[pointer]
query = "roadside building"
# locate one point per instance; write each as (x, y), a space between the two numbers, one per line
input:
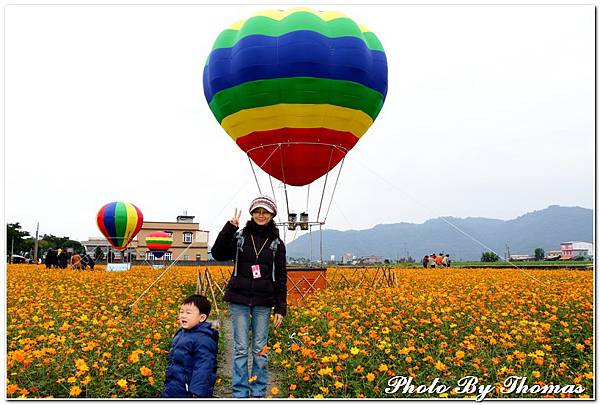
(348, 258)
(93, 243)
(370, 260)
(553, 254)
(570, 250)
(519, 257)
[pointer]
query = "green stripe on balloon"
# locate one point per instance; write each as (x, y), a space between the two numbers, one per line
(260, 25)
(120, 222)
(296, 90)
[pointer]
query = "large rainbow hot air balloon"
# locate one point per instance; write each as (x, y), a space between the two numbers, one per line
(158, 243)
(119, 222)
(296, 89)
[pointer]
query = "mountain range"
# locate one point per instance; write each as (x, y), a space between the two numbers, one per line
(545, 229)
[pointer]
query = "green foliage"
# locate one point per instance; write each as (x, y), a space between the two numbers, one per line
(488, 257)
(17, 238)
(539, 253)
(63, 242)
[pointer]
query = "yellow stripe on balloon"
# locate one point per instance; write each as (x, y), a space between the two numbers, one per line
(131, 222)
(281, 14)
(160, 239)
(297, 116)
(236, 25)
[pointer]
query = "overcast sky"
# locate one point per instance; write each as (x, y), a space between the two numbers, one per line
(489, 112)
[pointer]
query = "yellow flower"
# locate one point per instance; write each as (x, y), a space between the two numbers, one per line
(75, 391)
(383, 368)
(274, 390)
(536, 374)
(324, 389)
(71, 380)
(354, 350)
(252, 379)
(370, 377)
(460, 354)
(338, 384)
(81, 366)
(318, 396)
(300, 370)
(326, 371)
(440, 366)
(86, 380)
(122, 383)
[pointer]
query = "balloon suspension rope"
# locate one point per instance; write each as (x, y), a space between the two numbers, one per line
(129, 308)
(451, 224)
(325, 185)
(334, 188)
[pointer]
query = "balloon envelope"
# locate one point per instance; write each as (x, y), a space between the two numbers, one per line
(119, 222)
(158, 243)
(296, 89)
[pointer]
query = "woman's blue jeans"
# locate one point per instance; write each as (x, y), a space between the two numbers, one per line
(245, 318)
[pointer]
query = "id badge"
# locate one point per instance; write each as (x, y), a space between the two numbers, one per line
(255, 270)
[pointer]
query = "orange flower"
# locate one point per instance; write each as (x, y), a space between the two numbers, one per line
(274, 390)
(145, 371)
(370, 377)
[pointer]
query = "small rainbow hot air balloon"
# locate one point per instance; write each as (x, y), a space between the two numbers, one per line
(158, 243)
(119, 222)
(296, 89)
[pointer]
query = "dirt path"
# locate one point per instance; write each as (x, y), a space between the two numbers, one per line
(225, 363)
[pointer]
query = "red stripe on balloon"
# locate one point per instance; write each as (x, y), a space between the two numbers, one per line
(100, 222)
(297, 156)
(140, 221)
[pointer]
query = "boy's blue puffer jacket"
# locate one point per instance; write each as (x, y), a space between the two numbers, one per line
(192, 368)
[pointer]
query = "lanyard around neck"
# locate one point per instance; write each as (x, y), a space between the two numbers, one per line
(254, 246)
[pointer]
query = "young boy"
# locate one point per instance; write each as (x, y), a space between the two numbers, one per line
(192, 368)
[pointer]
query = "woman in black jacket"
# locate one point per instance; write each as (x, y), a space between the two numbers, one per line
(258, 283)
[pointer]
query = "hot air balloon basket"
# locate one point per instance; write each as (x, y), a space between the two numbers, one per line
(302, 282)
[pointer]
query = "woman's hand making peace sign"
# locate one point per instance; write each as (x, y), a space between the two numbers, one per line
(235, 221)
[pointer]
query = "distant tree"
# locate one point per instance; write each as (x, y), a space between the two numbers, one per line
(489, 257)
(17, 239)
(63, 242)
(539, 253)
(98, 253)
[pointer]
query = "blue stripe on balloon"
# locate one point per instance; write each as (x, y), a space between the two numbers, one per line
(109, 221)
(296, 54)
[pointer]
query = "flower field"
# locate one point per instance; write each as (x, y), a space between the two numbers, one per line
(448, 324)
(68, 334)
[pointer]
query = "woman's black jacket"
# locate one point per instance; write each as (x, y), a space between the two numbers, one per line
(244, 288)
